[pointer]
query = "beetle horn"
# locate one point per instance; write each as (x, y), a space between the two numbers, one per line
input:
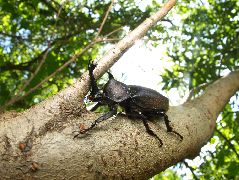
(110, 75)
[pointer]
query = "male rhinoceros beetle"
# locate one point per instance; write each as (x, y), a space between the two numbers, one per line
(138, 102)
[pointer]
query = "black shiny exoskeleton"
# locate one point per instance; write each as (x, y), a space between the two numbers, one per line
(138, 102)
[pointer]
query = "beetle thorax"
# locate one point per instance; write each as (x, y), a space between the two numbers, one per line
(116, 90)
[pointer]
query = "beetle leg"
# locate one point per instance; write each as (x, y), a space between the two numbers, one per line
(150, 132)
(134, 115)
(169, 128)
(106, 116)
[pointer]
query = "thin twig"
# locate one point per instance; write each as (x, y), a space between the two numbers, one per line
(104, 19)
(52, 74)
(96, 40)
(228, 142)
(196, 89)
(191, 169)
(114, 31)
(111, 39)
(167, 20)
(21, 90)
(37, 69)
(59, 13)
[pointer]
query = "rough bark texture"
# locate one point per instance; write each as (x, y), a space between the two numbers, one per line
(117, 149)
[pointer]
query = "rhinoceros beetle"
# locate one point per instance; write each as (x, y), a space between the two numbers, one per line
(138, 103)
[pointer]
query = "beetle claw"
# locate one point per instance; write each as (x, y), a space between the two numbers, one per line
(179, 135)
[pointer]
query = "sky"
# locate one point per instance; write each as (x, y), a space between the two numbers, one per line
(144, 66)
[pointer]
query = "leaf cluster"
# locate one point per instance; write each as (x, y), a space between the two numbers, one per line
(59, 30)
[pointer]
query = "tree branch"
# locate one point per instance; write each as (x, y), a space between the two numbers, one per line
(104, 19)
(228, 142)
(18, 96)
(214, 102)
(191, 169)
(27, 65)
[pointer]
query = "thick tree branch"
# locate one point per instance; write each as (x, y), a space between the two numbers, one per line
(212, 98)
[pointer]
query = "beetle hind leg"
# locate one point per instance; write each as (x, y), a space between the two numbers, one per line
(146, 125)
(150, 131)
(169, 128)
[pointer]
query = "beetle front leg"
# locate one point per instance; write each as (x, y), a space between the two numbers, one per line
(98, 104)
(112, 112)
(169, 128)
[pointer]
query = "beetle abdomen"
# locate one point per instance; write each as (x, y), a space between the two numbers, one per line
(147, 98)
